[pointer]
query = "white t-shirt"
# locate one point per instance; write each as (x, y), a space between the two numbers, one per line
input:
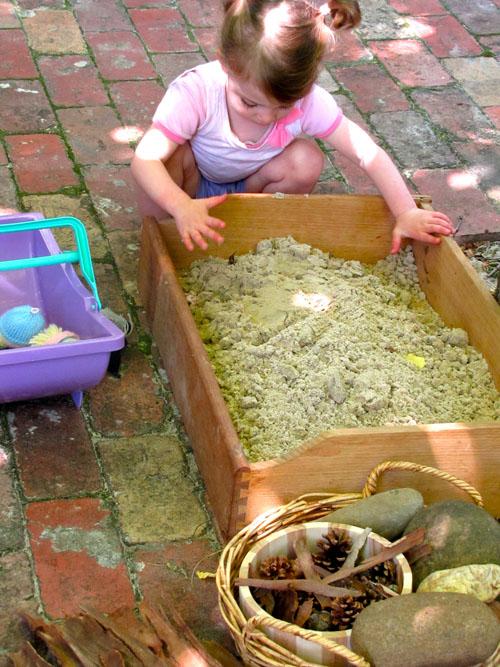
(194, 109)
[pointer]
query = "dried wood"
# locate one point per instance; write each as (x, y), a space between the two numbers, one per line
(305, 585)
(407, 542)
(157, 638)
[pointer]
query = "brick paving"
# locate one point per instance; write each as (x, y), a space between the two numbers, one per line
(104, 506)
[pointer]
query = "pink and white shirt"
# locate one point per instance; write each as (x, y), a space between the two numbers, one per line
(194, 109)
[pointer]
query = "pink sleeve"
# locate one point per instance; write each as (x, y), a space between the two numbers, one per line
(322, 115)
(182, 109)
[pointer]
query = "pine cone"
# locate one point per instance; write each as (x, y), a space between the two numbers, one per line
(385, 573)
(280, 567)
(333, 549)
(344, 611)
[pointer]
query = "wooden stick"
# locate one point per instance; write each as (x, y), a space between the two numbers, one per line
(306, 585)
(407, 542)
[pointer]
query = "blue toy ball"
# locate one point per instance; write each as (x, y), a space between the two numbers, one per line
(19, 324)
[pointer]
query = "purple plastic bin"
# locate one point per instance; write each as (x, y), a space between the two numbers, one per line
(66, 368)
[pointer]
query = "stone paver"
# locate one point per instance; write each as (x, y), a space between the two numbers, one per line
(54, 31)
(155, 497)
(104, 505)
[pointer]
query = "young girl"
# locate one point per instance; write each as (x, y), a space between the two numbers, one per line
(237, 124)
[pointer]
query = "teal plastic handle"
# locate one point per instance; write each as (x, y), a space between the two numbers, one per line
(81, 255)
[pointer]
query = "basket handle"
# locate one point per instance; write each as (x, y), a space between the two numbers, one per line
(338, 650)
(81, 255)
(371, 482)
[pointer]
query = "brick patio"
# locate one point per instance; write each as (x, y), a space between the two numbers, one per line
(104, 506)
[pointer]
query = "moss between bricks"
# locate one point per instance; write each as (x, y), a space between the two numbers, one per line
(302, 342)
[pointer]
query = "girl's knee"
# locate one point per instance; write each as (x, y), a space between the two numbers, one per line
(306, 161)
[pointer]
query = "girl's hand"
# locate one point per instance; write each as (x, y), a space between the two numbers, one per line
(422, 225)
(195, 224)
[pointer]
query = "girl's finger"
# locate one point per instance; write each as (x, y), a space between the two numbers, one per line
(433, 228)
(216, 200)
(186, 239)
(213, 235)
(199, 240)
(215, 222)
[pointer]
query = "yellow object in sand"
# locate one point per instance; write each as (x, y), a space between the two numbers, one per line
(414, 359)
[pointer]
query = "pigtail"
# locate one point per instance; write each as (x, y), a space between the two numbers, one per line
(345, 13)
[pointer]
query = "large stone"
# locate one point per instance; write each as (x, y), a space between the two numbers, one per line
(423, 629)
(386, 513)
(459, 533)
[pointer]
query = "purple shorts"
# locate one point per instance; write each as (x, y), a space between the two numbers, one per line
(208, 188)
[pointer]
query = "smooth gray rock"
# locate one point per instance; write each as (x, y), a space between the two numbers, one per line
(459, 532)
(386, 513)
(424, 629)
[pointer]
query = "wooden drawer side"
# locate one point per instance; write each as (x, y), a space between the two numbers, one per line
(215, 443)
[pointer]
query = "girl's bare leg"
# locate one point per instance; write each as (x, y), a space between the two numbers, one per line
(182, 168)
(295, 171)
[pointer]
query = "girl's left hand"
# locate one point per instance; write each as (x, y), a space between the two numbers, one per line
(422, 225)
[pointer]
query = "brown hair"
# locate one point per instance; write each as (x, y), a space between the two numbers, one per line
(282, 54)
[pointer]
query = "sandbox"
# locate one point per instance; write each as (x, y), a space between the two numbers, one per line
(352, 227)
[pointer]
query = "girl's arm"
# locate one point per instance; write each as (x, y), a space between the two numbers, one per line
(353, 142)
(191, 215)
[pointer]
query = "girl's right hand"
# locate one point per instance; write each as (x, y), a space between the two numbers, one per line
(195, 224)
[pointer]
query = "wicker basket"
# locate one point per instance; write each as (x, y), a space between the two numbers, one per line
(254, 645)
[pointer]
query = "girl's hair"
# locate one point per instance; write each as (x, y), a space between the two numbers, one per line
(280, 43)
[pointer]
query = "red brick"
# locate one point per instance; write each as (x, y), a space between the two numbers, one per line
(480, 17)
(492, 43)
(455, 192)
(451, 108)
(8, 201)
(17, 595)
(202, 13)
(77, 556)
(163, 30)
(15, 58)
(53, 467)
(131, 405)
(11, 521)
(348, 48)
(410, 62)
(38, 4)
(418, 7)
(3, 155)
(40, 162)
(111, 188)
(170, 65)
(373, 90)
(494, 114)
(100, 15)
(8, 18)
(208, 39)
(136, 101)
(25, 108)
(120, 55)
(482, 158)
(171, 573)
(72, 81)
(447, 38)
(95, 135)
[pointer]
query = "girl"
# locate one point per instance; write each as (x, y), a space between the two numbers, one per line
(237, 124)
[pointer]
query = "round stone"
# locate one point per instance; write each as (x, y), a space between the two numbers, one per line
(386, 513)
(422, 629)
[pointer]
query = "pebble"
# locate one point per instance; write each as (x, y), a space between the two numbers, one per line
(459, 532)
(426, 629)
(386, 513)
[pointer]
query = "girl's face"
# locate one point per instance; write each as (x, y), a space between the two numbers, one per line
(246, 100)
